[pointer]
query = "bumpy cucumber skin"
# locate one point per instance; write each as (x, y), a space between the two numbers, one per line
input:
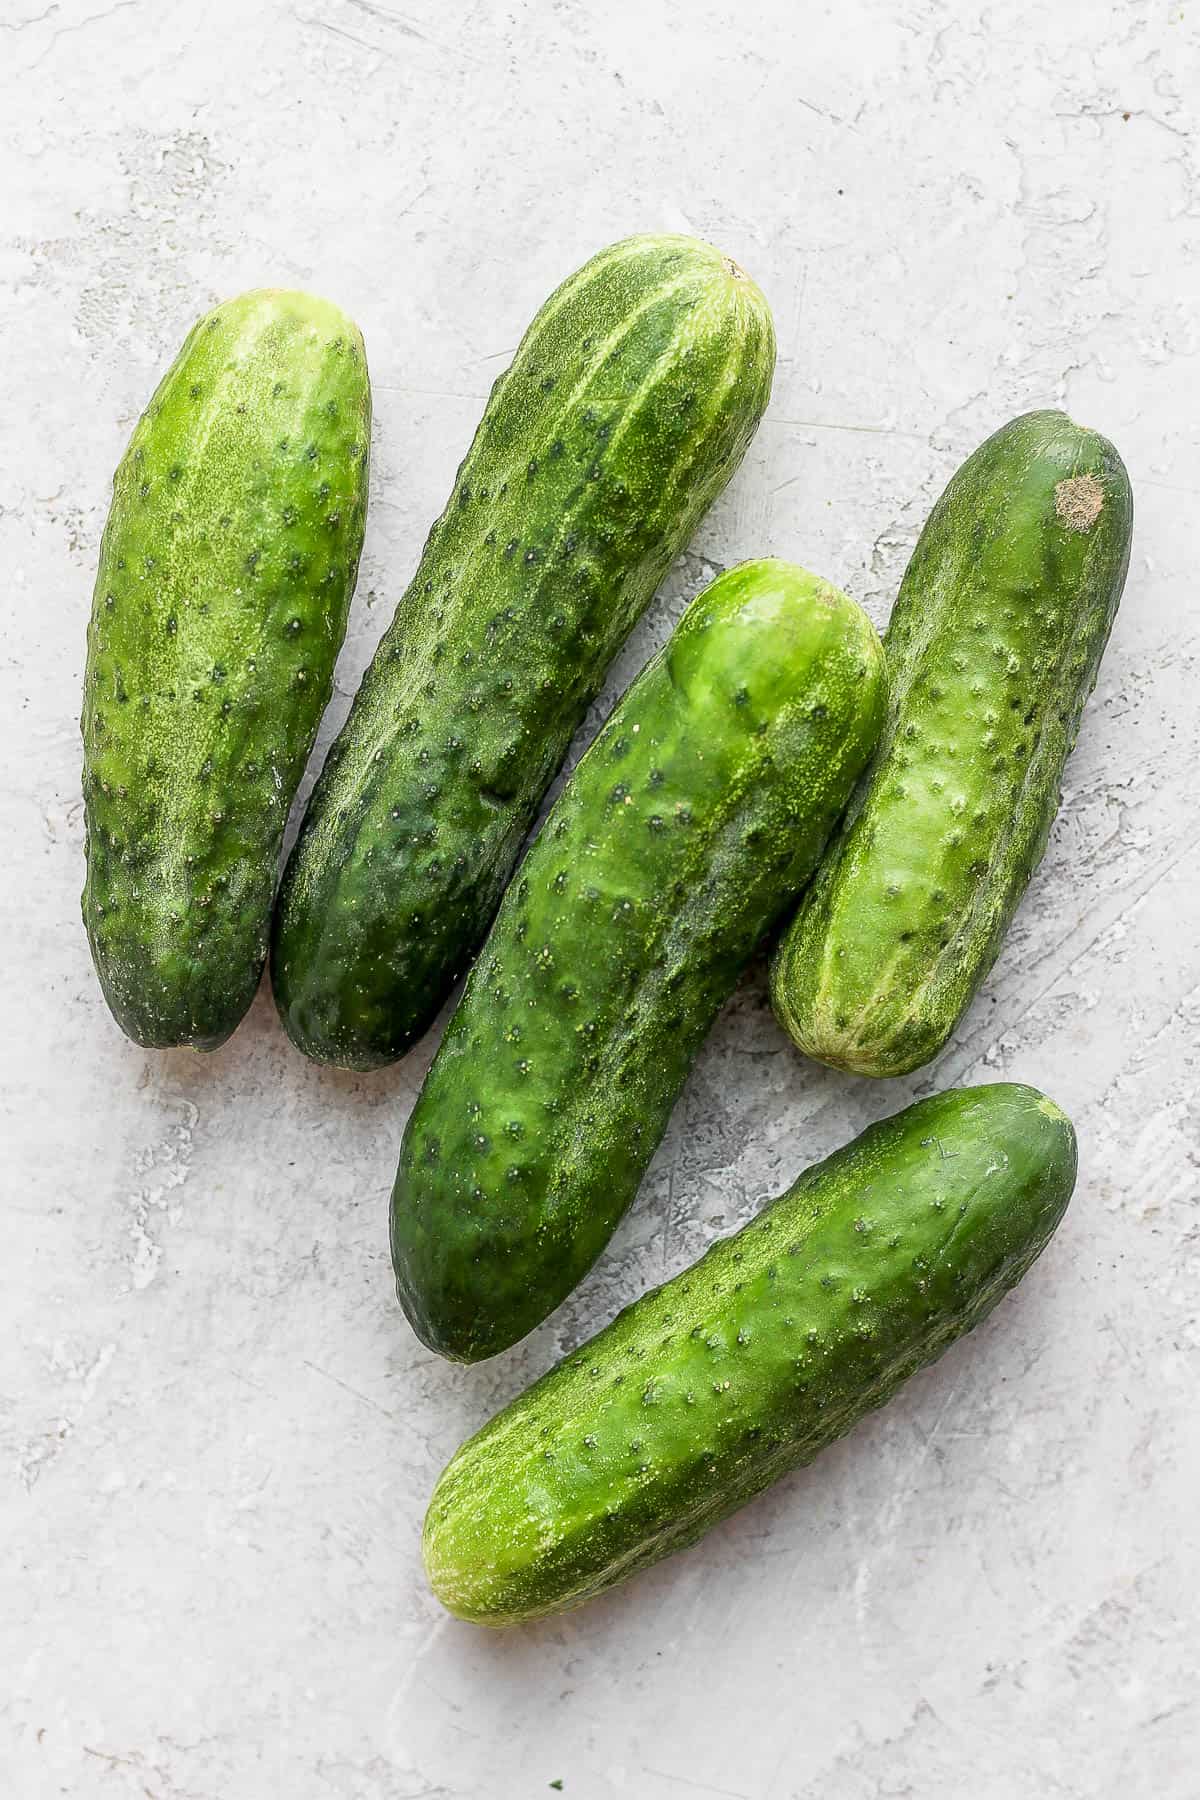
(682, 837)
(993, 649)
(628, 406)
(226, 572)
(772, 1346)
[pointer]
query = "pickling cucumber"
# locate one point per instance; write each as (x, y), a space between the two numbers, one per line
(992, 650)
(686, 830)
(226, 571)
(774, 1344)
(628, 406)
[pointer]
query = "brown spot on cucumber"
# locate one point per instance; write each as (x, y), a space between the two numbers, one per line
(1078, 502)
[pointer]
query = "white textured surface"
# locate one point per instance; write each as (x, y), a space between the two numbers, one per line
(216, 1432)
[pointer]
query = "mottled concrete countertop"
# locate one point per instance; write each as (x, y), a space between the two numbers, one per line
(217, 1434)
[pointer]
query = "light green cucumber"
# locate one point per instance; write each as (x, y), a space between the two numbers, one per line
(776, 1343)
(992, 650)
(226, 571)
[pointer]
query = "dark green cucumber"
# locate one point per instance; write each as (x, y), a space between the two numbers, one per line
(773, 1345)
(628, 406)
(687, 829)
(992, 649)
(226, 572)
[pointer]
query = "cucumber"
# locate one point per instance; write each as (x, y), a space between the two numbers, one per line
(992, 650)
(226, 571)
(773, 1345)
(628, 406)
(684, 833)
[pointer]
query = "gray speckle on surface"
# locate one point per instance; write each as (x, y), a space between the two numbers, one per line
(217, 1434)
